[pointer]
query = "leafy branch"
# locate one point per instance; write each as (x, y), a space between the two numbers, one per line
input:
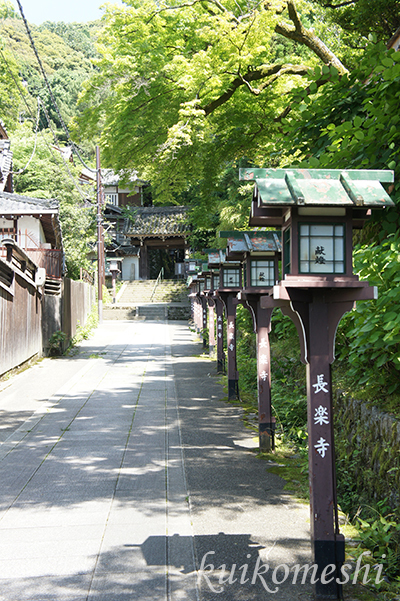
(271, 71)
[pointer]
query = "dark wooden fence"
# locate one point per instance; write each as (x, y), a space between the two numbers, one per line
(67, 311)
(20, 311)
(28, 316)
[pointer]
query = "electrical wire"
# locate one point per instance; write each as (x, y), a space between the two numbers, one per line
(53, 100)
(21, 93)
(34, 146)
(84, 196)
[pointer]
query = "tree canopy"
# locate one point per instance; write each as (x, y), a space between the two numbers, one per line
(44, 175)
(364, 17)
(189, 87)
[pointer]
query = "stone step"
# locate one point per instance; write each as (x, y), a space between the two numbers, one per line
(140, 291)
(172, 312)
(152, 312)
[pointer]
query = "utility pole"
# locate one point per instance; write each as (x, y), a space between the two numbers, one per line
(100, 239)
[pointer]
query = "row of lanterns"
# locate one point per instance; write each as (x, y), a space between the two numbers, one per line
(305, 269)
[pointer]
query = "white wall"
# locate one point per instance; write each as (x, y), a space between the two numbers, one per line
(130, 268)
(35, 234)
(34, 230)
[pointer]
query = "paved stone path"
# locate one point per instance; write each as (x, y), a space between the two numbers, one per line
(131, 474)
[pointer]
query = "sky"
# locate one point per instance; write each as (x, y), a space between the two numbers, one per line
(37, 11)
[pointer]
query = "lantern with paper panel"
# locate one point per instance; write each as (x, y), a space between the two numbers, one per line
(216, 258)
(317, 210)
(259, 252)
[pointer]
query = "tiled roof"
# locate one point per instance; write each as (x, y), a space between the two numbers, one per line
(23, 205)
(159, 222)
(45, 210)
(216, 258)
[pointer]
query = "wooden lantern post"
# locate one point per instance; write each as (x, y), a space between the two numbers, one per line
(197, 285)
(215, 259)
(194, 301)
(203, 307)
(220, 335)
(191, 270)
(259, 252)
(317, 211)
(230, 284)
(208, 308)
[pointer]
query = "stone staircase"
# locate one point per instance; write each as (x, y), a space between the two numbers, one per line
(169, 301)
(140, 291)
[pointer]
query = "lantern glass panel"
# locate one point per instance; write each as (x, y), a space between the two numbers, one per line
(208, 282)
(262, 273)
(231, 278)
(321, 248)
(216, 282)
(201, 287)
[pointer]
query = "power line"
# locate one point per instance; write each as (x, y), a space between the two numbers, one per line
(53, 100)
(21, 93)
(84, 196)
(34, 146)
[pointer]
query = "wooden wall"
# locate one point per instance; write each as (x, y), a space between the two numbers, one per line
(28, 318)
(78, 299)
(20, 324)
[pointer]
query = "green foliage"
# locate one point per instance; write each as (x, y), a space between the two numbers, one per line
(56, 342)
(65, 50)
(353, 122)
(183, 90)
(7, 10)
(381, 535)
(246, 353)
(47, 177)
(381, 17)
(372, 330)
(288, 391)
(10, 79)
(79, 36)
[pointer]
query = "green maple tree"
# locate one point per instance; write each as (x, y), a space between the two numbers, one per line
(184, 89)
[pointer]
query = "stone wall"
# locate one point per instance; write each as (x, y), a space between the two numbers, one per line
(368, 450)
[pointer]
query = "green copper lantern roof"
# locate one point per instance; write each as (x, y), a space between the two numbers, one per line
(215, 257)
(254, 241)
(320, 187)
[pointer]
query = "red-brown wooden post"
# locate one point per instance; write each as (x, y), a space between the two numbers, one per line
(220, 336)
(319, 318)
(204, 319)
(230, 301)
(211, 327)
(198, 314)
(262, 327)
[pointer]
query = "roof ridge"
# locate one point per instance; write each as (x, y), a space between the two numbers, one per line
(40, 202)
